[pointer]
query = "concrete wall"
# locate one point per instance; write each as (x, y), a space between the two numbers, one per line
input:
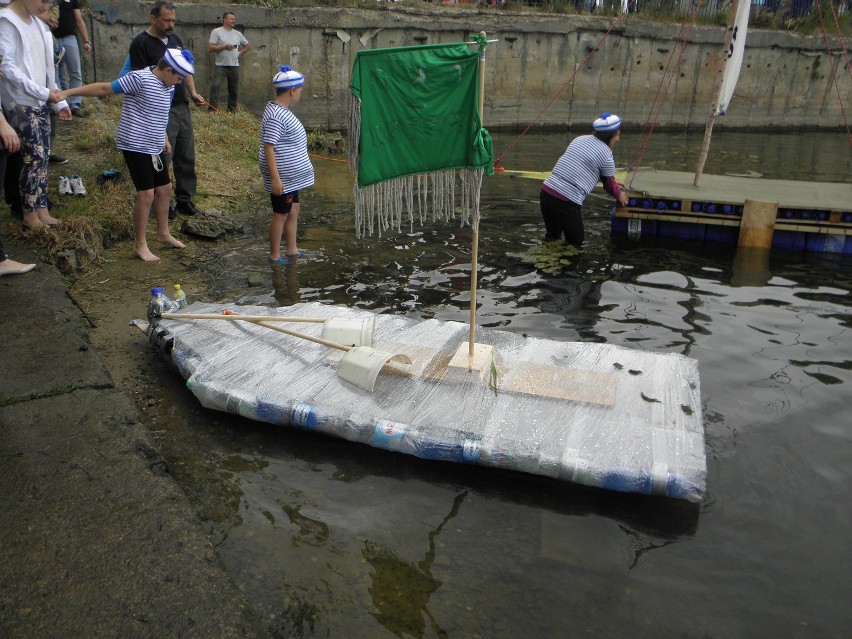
(786, 78)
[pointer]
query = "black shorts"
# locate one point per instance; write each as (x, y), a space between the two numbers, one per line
(284, 202)
(144, 173)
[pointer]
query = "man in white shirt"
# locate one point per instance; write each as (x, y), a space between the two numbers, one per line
(227, 43)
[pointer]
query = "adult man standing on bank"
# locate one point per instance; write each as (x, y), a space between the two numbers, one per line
(65, 28)
(228, 44)
(146, 50)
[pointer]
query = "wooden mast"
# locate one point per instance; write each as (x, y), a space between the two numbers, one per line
(725, 56)
(474, 251)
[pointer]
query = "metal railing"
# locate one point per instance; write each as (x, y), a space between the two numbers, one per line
(707, 9)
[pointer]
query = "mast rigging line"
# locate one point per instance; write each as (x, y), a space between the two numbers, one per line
(580, 66)
(831, 62)
(840, 37)
(656, 110)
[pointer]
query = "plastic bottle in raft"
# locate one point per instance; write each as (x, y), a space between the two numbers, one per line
(180, 297)
(159, 304)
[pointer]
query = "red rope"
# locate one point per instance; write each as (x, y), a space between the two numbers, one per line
(840, 37)
(656, 110)
(570, 81)
(833, 68)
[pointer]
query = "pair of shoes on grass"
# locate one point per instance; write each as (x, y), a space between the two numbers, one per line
(71, 185)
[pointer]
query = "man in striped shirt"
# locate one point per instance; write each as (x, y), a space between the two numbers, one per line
(587, 160)
(142, 138)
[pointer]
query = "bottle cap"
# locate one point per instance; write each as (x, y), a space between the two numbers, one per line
(156, 291)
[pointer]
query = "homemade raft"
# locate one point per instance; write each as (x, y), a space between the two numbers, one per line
(812, 217)
(590, 413)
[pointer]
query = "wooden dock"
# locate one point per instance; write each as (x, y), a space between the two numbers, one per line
(811, 216)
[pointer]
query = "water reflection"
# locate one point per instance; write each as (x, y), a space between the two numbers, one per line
(285, 283)
(529, 556)
(401, 589)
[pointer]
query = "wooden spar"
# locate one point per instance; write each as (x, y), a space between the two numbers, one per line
(708, 130)
(474, 251)
(246, 318)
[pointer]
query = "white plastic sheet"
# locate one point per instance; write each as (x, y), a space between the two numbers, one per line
(591, 413)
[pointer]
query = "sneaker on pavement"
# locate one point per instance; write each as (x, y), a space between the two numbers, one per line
(57, 159)
(77, 185)
(65, 186)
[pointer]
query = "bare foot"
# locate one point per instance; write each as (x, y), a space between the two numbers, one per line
(46, 218)
(143, 253)
(171, 241)
(32, 221)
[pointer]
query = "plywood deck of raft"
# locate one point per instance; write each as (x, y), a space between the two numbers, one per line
(736, 190)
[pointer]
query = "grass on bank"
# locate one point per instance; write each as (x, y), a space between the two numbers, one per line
(226, 148)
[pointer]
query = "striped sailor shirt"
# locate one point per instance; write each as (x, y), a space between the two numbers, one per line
(586, 161)
(283, 130)
(145, 112)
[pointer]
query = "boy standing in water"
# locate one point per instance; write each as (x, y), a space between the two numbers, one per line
(142, 137)
(284, 162)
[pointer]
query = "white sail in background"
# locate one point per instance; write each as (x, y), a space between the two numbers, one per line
(735, 57)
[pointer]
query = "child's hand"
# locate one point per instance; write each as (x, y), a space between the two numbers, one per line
(56, 96)
(277, 186)
(167, 148)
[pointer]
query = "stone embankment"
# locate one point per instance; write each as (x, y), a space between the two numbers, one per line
(787, 79)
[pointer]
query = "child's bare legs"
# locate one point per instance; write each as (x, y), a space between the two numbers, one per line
(276, 229)
(141, 208)
(161, 213)
(159, 197)
(290, 230)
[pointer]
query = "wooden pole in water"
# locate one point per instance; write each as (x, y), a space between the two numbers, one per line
(757, 225)
(474, 251)
(723, 61)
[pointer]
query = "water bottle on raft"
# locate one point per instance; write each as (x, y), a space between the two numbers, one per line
(160, 303)
(180, 296)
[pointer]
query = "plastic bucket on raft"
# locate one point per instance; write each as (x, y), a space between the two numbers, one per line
(362, 364)
(350, 332)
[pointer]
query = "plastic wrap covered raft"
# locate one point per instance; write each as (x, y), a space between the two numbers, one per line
(590, 413)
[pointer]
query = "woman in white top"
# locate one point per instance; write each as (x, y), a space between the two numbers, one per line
(27, 85)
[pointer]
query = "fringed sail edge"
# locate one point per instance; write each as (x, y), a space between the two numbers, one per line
(441, 196)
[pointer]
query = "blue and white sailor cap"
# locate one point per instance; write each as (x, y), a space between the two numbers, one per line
(181, 62)
(606, 123)
(288, 78)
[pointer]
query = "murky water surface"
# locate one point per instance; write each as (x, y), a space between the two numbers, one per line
(333, 539)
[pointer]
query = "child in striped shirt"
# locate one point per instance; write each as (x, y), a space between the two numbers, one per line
(284, 162)
(142, 138)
